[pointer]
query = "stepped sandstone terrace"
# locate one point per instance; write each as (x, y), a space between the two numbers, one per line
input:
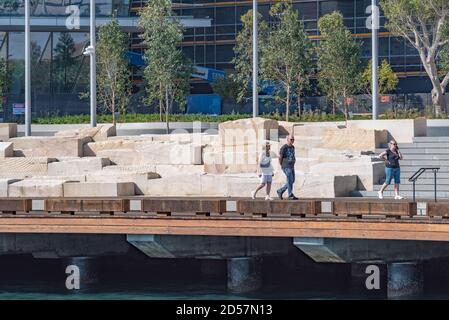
(332, 160)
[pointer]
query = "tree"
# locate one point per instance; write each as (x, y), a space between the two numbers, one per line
(227, 88)
(425, 26)
(167, 73)
(4, 81)
(114, 86)
(388, 80)
(243, 51)
(64, 55)
(338, 61)
(286, 55)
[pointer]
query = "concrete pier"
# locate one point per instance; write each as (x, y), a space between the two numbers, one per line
(244, 274)
(405, 279)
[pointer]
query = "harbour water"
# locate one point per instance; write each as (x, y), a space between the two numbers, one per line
(121, 278)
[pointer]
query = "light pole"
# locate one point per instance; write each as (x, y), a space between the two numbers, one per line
(90, 51)
(27, 70)
(255, 62)
(375, 57)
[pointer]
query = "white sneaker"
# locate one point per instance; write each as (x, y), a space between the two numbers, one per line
(253, 195)
(268, 198)
(398, 198)
(380, 194)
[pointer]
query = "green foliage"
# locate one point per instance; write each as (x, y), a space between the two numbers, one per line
(64, 60)
(167, 72)
(244, 52)
(424, 24)
(113, 76)
(338, 61)
(4, 81)
(227, 88)
(286, 55)
(388, 80)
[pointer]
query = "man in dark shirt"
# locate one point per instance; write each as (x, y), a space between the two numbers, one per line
(287, 159)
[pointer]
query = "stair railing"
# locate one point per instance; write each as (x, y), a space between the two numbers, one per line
(418, 173)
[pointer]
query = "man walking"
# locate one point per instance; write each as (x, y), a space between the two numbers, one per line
(287, 160)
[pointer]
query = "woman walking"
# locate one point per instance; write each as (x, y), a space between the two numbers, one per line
(392, 169)
(265, 171)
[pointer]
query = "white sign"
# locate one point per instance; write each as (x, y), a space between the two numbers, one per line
(18, 109)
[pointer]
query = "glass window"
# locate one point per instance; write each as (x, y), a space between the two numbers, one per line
(346, 7)
(225, 15)
(307, 10)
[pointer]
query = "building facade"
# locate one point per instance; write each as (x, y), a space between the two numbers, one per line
(60, 71)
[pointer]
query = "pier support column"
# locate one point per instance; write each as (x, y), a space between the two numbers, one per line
(88, 269)
(405, 279)
(244, 274)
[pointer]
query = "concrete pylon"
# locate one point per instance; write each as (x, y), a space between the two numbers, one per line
(244, 274)
(405, 279)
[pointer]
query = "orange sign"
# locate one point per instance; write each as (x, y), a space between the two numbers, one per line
(385, 99)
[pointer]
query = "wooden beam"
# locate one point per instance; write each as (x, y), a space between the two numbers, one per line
(279, 207)
(15, 205)
(91, 205)
(397, 208)
(218, 226)
(186, 206)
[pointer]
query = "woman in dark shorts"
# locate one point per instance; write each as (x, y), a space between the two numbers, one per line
(392, 168)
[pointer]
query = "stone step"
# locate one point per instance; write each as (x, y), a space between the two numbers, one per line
(405, 194)
(425, 163)
(425, 157)
(419, 187)
(423, 145)
(431, 139)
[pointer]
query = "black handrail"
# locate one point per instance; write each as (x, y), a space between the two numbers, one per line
(418, 173)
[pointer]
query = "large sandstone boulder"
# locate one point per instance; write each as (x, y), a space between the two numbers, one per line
(247, 131)
(99, 189)
(49, 146)
(100, 133)
(128, 152)
(140, 179)
(241, 185)
(37, 188)
(8, 131)
(4, 186)
(6, 149)
(21, 167)
(77, 166)
(369, 173)
(340, 138)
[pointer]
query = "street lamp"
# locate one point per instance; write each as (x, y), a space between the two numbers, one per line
(90, 51)
(375, 56)
(27, 70)
(255, 62)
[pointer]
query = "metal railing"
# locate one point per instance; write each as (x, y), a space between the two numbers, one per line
(418, 173)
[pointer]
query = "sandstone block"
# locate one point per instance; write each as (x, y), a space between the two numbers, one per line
(6, 149)
(77, 166)
(8, 131)
(140, 179)
(4, 186)
(21, 167)
(98, 189)
(49, 146)
(100, 133)
(37, 188)
(244, 131)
